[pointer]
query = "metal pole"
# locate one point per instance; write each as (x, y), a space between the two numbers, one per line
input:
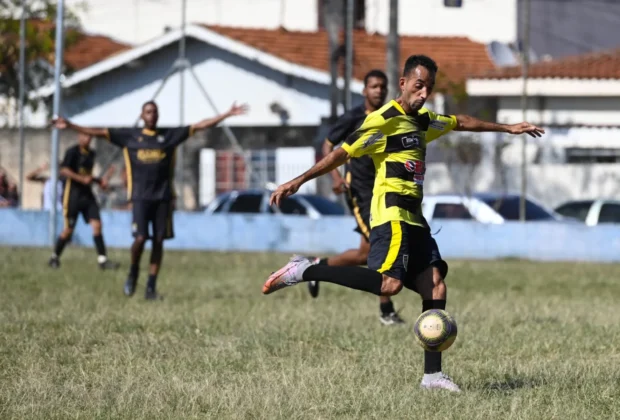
(22, 89)
(56, 112)
(524, 64)
(393, 52)
(348, 71)
(181, 152)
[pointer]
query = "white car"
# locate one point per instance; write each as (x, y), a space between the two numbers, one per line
(484, 208)
(591, 212)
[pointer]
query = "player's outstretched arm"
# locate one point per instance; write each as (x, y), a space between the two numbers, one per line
(212, 122)
(325, 165)
(469, 123)
(339, 183)
(62, 123)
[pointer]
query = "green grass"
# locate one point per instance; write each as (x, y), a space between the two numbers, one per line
(536, 341)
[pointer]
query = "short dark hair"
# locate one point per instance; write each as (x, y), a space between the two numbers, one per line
(375, 73)
(419, 60)
(151, 102)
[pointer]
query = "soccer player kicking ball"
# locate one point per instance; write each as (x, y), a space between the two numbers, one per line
(395, 137)
(358, 184)
(78, 198)
(149, 160)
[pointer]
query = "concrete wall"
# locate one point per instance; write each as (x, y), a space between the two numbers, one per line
(536, 241)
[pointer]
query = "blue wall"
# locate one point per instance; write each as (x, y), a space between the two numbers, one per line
(457, 239)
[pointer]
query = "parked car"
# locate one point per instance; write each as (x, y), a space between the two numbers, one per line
(485, 208)
(591, 212)
(257, 201)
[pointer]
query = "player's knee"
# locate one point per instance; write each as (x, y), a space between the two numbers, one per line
(140, 240)
(390, 286)
(361, 258)
(67, 233)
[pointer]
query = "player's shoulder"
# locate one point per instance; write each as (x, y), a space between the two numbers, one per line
(381, 115)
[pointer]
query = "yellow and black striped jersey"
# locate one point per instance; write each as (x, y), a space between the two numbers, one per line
(396, 142)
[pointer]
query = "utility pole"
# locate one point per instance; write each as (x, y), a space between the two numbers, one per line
(348, 65)
(393, 52)
(525, 58)
(56, 112)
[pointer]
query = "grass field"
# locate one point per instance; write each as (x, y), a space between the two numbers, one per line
(536, 341)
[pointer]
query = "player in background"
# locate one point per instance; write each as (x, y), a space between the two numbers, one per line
(401, 251)
(150, 163)
(357, 185)
(78, 198)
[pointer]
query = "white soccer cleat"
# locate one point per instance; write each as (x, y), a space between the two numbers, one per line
(289, 275)
(439, 381)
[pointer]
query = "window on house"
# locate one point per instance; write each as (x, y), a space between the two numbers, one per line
(592, 155)
(359, 14)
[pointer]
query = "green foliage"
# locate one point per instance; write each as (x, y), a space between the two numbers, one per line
(40, 43)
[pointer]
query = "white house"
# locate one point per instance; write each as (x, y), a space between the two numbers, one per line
(142, 20)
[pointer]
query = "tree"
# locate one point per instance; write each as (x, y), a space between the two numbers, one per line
(40, 44)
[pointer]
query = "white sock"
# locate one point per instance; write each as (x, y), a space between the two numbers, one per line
(432, 376)
(101, 259)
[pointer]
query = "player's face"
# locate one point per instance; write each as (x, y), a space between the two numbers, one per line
(376, 91)
(417, 87)
(84, 141)
(150, 116)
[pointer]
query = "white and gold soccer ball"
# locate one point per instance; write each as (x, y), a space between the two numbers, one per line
(435, 330)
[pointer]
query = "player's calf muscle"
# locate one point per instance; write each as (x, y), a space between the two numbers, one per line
(430, 285)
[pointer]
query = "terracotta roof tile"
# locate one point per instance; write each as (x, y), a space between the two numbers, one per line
(599, 65)
(457, 57)
(90, 49)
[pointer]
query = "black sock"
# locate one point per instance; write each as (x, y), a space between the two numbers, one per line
(60, 245)
(357, 278)
(151, 282)
(100, 245)
(322, 261)
(432, 359)
(133, 270)
(387, 307)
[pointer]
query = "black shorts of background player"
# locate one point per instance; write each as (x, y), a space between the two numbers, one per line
(149, 160)
(357, 185)
(78, 199)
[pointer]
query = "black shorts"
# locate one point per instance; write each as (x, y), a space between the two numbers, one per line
(403, 251)
(361, 211)
(155, 213)
(75, 205)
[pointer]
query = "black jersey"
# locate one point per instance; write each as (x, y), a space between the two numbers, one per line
(81, 161)
(149, 159)
(360, 171)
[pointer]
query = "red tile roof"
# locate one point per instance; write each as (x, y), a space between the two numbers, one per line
(90, 49)
(457, 57)
(599, 65)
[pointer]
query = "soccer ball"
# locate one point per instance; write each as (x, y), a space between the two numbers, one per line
(435, 330)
